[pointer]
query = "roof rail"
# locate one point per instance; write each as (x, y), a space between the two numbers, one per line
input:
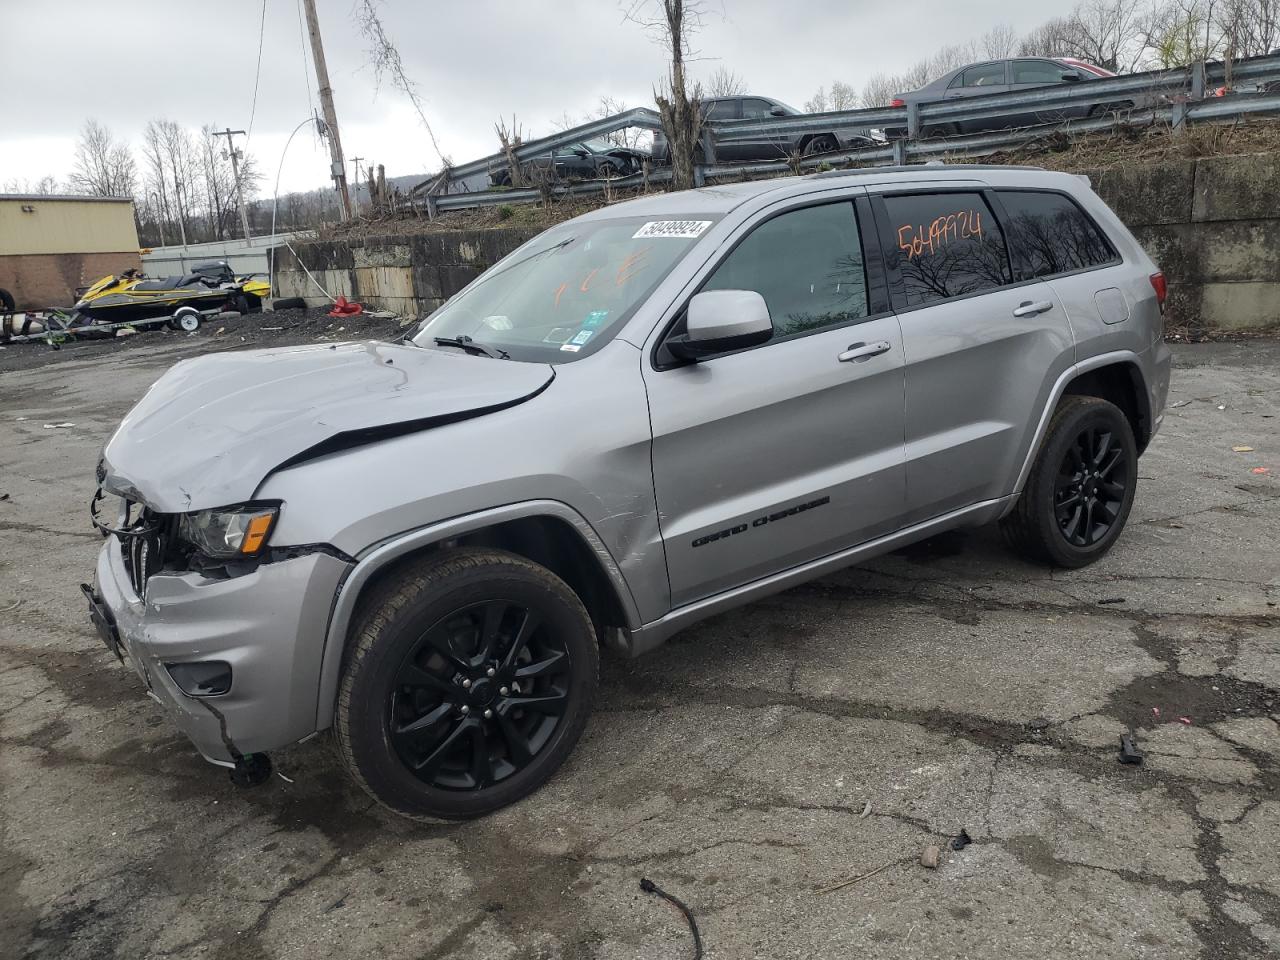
(919, 167)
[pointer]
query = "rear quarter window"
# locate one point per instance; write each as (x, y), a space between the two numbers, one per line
(1049, 234)
(946, 245)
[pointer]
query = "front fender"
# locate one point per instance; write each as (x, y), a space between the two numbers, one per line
(378, 556)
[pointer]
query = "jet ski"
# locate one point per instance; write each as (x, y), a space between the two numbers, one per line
(133, 297)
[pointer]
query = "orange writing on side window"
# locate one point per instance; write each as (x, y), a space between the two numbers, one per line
(946, 229)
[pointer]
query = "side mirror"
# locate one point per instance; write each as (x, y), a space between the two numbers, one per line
(777, 112)
(1071, 78)
(722, 320)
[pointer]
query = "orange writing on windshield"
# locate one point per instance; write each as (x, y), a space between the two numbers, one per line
(913, 240)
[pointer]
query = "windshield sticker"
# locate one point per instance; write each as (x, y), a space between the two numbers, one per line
(582, 337)
(571, 348)
(558, 335)
(594, 319)
(498, 322)
(680, 229)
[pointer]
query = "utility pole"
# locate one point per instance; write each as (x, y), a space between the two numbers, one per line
(338, 167)
(355, 161)
(235, 169)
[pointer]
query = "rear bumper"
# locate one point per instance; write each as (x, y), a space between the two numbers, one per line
(269, 625)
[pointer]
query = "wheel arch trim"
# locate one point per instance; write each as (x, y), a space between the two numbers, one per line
(1114, 358)
(376, 557)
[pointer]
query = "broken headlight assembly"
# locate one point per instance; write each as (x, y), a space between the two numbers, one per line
(229, 533)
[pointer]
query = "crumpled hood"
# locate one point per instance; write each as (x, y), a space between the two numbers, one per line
(210, 430)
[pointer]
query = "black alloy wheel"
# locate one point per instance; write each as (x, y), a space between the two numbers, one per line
(1080, 490)
(822, 143)
(467, 680)
(1091, 487)
(479, 694)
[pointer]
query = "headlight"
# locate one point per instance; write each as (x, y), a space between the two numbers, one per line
(229, 532)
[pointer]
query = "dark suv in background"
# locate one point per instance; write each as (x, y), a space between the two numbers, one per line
(746, 146)
(1004, 76)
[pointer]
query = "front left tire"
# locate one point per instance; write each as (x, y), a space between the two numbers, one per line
(468, 680)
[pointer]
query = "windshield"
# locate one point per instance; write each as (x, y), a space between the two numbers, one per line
(562, 295)
(598, 146)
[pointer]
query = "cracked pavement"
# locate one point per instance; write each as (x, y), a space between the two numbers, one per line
(950, 685)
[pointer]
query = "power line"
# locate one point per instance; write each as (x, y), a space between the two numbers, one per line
(257, 73)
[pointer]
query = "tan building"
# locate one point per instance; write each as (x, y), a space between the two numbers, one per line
(49, 246)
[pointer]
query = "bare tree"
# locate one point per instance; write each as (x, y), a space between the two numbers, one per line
(385, 57)
(46, 186)
(1107, 33)
(511, 137)
(672, 23)
(843, 96)
(817, 103)
(999, 42)
(104, 167)
(1180, 32)
(725, 83)
(880, 90)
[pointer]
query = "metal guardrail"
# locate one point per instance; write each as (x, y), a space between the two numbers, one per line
(1175, 96)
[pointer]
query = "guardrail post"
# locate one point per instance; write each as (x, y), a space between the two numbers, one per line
(913, 120)
(900, 153)
(708, 141)
(1197, 80)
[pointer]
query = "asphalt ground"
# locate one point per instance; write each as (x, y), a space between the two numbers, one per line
(761, 758)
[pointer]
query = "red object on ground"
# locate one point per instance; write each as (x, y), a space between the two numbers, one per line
(342, 307)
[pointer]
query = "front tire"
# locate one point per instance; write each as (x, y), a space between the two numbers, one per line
(1081, 487)
(468, 681)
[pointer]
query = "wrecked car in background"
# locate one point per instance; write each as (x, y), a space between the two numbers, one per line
(647, 415)
(585, 160)
(738, 146)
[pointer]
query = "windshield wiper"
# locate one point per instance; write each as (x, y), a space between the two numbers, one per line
(464, 342)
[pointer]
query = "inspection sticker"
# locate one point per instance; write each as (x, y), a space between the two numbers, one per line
(681, 229)
(581, 337)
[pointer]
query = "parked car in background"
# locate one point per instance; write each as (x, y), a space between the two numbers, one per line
(746, 146)
(655, 412)
(585, 160)
(1004, 76)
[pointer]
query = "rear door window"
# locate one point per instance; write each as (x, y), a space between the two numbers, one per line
(1038, 71)
(720, 110)
(1049, 234)
(946, 245)
(808, 266)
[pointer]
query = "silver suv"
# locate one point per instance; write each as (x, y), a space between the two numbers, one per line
(644, 416)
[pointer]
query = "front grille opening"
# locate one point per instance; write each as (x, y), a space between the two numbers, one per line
(147, 544)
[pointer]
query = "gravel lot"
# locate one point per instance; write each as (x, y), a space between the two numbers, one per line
(950, 686)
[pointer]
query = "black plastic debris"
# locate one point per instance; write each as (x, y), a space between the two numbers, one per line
(1129, 752)
(961, 840)
(648, 886)
(1107, 600)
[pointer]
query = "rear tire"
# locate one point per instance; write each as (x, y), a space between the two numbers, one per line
(822, 143)
(1081, 487)
(289, 303)
(6, 301)
(468, 680)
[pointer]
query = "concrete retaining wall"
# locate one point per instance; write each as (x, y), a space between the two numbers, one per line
(1213, 225)
(411, 275)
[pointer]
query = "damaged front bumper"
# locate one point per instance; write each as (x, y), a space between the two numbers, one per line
(267, 625)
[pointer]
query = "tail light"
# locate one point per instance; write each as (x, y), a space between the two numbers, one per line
(897, 102)
(1161, 287)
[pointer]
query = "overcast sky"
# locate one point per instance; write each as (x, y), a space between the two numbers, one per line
(126, 61)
